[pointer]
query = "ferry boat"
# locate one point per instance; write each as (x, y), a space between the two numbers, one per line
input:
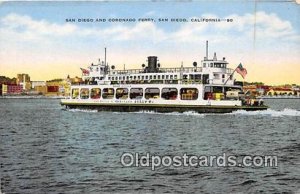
(208, 88)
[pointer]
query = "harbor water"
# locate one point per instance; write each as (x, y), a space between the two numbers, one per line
(45, 148)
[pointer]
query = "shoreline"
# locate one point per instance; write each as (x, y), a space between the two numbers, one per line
(32, 97)
(279, 97)
(63, 97)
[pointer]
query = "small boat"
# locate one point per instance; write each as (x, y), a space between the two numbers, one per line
(208, 88)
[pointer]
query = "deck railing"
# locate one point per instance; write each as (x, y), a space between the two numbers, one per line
(160, 70)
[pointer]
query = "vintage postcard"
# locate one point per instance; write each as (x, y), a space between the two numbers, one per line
(149, 96)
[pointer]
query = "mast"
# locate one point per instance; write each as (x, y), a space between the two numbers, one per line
(105, 56)
(207, 50)
(181, 72)
(105, 65)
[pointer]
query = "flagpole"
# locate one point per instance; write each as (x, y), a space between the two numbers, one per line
(230, 76)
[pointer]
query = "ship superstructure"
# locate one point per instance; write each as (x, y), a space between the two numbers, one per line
(209, 87)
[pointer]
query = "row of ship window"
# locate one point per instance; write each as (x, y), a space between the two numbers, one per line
(142, 77)
(159, 77)
(217, 65)
(135, 93)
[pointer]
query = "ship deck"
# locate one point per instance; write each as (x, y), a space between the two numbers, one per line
(162, 108)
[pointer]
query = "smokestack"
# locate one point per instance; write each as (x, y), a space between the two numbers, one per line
(152, 64)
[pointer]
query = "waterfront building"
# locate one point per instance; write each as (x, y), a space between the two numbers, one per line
(280, 91)
(41, 90)
(58, 87)
(11, 89)
(24, 80)
(37, 83)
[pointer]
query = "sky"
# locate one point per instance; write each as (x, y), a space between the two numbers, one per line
(35, 37)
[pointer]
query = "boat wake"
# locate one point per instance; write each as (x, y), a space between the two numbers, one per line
(188, 113)
(80, 110)
(268, 112)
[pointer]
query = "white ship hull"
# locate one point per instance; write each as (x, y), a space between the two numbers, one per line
(199, 105)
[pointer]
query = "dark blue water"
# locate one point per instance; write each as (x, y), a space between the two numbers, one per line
(46, 149)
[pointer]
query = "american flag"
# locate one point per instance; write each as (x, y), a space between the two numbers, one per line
(85, 71)
(241, 70)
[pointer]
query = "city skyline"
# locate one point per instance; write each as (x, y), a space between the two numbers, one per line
(36, 39)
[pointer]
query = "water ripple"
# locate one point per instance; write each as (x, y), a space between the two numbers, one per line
(45, 149)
